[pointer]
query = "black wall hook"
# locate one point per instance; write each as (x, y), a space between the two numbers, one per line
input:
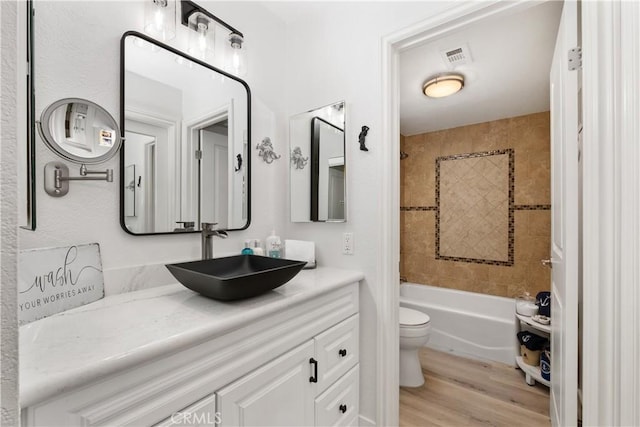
(362, 136)
(239, 159)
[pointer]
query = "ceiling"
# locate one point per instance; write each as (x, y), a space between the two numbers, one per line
(507, 77)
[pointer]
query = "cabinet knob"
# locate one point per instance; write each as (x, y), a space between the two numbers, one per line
(343, 408)
(342, 352)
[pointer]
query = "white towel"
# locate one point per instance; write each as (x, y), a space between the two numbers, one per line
(300, 250)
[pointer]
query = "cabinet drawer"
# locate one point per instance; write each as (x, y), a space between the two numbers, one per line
(337, 350)
(338, 406)
(201, 413)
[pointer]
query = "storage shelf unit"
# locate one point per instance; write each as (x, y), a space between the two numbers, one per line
(535, 325)
(532, 373)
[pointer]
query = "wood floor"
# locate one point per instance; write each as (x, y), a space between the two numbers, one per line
(465, 392)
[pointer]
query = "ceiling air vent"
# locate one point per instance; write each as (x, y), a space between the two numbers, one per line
(457, 56)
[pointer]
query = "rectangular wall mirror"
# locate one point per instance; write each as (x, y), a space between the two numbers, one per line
(186, 127)
(317, 168)
(26, 130)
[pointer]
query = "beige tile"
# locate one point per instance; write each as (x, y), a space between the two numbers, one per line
(539, 223)
(522, 222)
(529, 137)
(517, 289)
(538, 278)
(491, 288)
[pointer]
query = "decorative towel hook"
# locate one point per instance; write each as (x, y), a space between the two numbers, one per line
(297, 159)
(266, 151)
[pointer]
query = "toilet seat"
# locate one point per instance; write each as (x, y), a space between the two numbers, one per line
(413, 323)
(412, 318)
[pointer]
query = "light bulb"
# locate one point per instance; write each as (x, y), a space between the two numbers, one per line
(236, 61)
(237, 56)
(160, 19)
(202, 36)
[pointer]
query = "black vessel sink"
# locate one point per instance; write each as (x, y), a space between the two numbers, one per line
(235, 277)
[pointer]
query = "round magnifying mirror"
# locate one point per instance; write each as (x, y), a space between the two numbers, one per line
(80, 131)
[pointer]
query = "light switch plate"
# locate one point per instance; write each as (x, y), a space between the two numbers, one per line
(347, 243)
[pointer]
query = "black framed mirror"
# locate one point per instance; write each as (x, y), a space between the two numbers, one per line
(184, 124)
(317, 168)
(27, 119)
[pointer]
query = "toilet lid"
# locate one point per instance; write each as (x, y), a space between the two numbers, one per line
(412, 317)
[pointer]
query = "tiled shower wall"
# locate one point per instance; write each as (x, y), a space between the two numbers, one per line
(528, 137)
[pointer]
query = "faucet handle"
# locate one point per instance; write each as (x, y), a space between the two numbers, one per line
(209, 226)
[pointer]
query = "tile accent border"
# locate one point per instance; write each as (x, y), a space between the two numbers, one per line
(515, 207)
(511, 230)
(418, 208)
(532, 207)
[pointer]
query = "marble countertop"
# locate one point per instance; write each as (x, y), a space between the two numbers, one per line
(78, 346)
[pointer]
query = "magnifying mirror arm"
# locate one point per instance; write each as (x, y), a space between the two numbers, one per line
(57, 177)
(108, 174)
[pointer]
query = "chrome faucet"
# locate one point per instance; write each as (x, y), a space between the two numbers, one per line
(208, 231)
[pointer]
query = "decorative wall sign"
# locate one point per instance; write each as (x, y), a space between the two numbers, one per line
(53, 280)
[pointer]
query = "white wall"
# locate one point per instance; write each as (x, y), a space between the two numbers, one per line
(77, 48)
(327, 52)
(334, 53)
(8, 213)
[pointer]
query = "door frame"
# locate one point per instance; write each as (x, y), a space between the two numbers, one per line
(608, 172)
(169, 124)
(611, 208)
(190, 129)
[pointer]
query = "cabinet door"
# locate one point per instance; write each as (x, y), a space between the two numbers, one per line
(200, 414)
(276, 394)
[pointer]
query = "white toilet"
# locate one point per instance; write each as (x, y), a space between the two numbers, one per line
(415, 330)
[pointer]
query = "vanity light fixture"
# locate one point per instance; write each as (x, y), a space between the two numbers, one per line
(160, 19)
(237, 59)
(443, 85)
(202, 38)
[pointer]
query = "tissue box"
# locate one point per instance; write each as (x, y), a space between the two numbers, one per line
(300, 250)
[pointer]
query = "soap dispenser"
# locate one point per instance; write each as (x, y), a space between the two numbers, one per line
(273, 245)
(257, 247)
(247, 248)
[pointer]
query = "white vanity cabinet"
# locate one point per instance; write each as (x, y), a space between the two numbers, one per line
(287, 391)
(295, 366)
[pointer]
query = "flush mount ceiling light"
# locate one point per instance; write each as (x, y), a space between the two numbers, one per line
(443, 85)
(202, 39)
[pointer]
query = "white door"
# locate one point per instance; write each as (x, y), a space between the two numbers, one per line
(336, 193)
(214, 178)
(279, 393)
(564, 224)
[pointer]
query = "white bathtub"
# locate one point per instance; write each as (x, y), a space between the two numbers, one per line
(466, 323)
